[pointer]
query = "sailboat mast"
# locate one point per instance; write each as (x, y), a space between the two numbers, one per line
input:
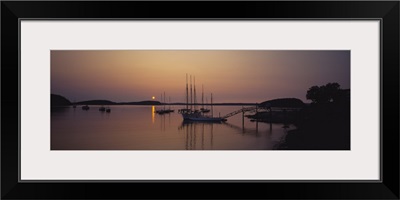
(195, 97)
(212, 111)
(164, 100)
(187, 93)
(161, 99)
(202, 96)
(191, 94)
(169, 103)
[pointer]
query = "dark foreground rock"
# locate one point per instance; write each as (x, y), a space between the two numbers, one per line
(321, 127)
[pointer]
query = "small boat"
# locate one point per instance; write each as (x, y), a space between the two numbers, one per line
(164, 111)
(86, 107)
(169, 111)
(204, 110)
(160, 112)
(108, 110)
(102, 109)
(183, 110)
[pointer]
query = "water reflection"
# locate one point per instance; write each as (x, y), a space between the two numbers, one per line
(60, 109)
(205, 131)
(243, 130)
(153, 114)
(134, 128)
(163, 120)
(191, 130)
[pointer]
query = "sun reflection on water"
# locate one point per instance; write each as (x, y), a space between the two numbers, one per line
(153, 110)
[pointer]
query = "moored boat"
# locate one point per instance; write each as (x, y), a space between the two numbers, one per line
(197, 115)
(204, 110)
(164, 110)
(203, 118)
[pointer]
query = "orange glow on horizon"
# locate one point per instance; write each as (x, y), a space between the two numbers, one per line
(237, 76)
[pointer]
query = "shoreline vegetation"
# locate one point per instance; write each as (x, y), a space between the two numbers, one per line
(324, 124)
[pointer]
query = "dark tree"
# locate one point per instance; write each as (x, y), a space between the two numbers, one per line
(313, 94)
(332, 91)
(324, 94)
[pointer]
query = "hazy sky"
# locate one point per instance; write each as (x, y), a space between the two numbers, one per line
(231, 75)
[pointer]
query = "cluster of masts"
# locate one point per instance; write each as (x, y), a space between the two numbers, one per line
(191, 97)
(191, 113)
(164, 110)
(191, 100)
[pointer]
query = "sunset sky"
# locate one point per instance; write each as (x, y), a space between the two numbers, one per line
(251, 76)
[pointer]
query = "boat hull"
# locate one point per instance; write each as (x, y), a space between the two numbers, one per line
(206, 119)
(199, 117)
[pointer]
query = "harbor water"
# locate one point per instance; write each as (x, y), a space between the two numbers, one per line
(132, 127)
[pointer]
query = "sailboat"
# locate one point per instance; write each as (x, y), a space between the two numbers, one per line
(169, 110)
(164, 111)
(196, 115)
(202, 109)
(205, 110)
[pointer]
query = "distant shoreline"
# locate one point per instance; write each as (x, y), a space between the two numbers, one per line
(58, 100)
(172, 104)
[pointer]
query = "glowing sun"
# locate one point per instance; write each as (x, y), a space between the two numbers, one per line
(153, 97)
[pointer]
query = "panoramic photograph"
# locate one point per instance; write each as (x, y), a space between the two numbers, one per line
(200, 100)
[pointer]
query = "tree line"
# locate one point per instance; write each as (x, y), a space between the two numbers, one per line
(329, 93)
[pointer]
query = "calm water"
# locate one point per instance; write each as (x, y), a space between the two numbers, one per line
(139, 128)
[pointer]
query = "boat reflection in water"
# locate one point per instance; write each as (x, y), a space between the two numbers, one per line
(191, 131)
(229, 136)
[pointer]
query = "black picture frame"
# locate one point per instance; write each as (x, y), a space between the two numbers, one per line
(386, 11)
